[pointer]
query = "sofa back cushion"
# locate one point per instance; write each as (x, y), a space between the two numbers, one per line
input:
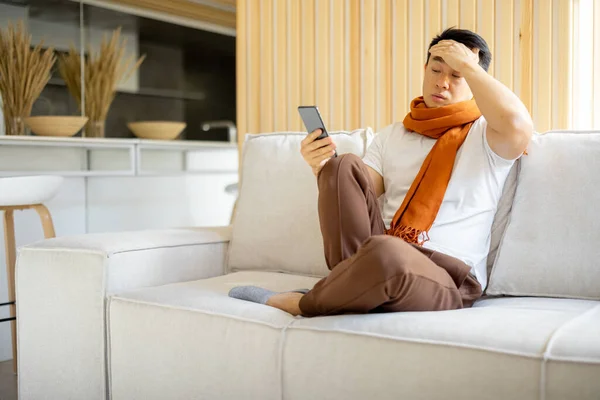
(551, 244)
(276, 225)
(502, 215)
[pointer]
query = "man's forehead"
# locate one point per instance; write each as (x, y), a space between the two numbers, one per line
(439, 59)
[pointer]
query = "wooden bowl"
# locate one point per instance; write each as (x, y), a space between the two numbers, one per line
(55, 125)
(158, 130)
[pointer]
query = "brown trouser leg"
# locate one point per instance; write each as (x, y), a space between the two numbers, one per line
(371, 271)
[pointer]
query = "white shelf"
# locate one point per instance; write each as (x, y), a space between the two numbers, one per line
(93, 157)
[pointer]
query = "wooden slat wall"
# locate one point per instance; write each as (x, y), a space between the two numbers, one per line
(293, 64)
(241, 50)
(337, 113)
(383, 59)
(400, 99)
(561, 79)
(361, 61)
(353, 84)
(452, 13)
(486, 23)
(323, 61)
(368, 73)
(280, 65)
(266, 66)
(526, 53)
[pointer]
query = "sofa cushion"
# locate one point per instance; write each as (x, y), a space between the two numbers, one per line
(502, 215)
(550, 247)
(276, 226)
(207, 345)
(203, 343)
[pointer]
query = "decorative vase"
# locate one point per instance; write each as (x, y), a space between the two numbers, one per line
(14, 126)
(94, 129)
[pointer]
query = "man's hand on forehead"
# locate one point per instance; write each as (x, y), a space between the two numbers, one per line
(455, 54)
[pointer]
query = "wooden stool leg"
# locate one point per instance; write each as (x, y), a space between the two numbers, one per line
(46, 219)
(10, 248)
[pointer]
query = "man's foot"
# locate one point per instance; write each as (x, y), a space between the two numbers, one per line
(286, 301)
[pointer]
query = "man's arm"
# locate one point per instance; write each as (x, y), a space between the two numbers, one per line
(509, 124)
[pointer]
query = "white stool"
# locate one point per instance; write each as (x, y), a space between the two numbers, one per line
(21, 193)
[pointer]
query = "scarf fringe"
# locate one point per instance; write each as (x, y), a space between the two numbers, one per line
(410, 235)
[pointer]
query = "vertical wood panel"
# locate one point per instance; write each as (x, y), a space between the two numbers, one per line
(254, 55)
(486, 25)
(338, 66)
(563, 35)
(241, 55)
(504, 42)
(280, 64)
(417, 49)
(353, 85)
(307, 40)
(294, 66)
(542, 79)
(368, 63)
(361, 61)
(468, 14)
(452, 14)
(383, 95)
(266, 65)
(596, 105)
(322, 60)
(400, 101)
(434, 26)
(526, 52)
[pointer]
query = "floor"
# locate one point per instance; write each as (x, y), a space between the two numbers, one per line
(8, 381)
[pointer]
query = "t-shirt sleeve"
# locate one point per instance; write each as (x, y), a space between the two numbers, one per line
(494, 159)
(374, 156)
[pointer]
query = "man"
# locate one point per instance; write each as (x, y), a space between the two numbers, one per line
(441, 172)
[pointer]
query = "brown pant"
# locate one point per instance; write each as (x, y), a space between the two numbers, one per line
(371, 271)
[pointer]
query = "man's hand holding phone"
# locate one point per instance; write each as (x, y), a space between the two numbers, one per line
(316, 152)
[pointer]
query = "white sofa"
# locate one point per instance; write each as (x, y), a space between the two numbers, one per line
(145, 315)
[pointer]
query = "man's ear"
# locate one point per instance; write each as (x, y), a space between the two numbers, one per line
(425, 66)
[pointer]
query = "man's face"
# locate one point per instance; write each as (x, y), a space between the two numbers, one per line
(442, 85)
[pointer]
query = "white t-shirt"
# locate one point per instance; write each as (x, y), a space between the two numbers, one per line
(463, 224)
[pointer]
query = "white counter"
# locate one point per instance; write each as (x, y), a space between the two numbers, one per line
(27, 155)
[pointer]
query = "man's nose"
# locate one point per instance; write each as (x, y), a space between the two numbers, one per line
(442, 82)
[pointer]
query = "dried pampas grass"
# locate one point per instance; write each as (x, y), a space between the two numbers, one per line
(24, 72)
(103, 71)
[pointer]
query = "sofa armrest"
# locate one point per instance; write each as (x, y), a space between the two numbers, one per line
(62, 285)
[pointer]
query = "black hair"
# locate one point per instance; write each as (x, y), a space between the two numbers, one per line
(469, 39)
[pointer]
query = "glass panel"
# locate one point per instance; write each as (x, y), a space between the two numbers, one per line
(56, 23)
(188, 75)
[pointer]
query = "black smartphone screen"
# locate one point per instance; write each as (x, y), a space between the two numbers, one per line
(312, 120)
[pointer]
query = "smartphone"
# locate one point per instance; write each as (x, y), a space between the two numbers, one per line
(312, 121)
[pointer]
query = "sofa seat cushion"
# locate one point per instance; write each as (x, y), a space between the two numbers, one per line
(208, 345)
(494, 350)
(203, 343)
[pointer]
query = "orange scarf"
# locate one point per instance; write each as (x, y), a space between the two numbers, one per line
(450, 125)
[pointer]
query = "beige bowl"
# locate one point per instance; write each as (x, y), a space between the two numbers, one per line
(159, 130)
(55, 125)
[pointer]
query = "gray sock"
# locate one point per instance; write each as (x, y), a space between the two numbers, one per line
(257, 294)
